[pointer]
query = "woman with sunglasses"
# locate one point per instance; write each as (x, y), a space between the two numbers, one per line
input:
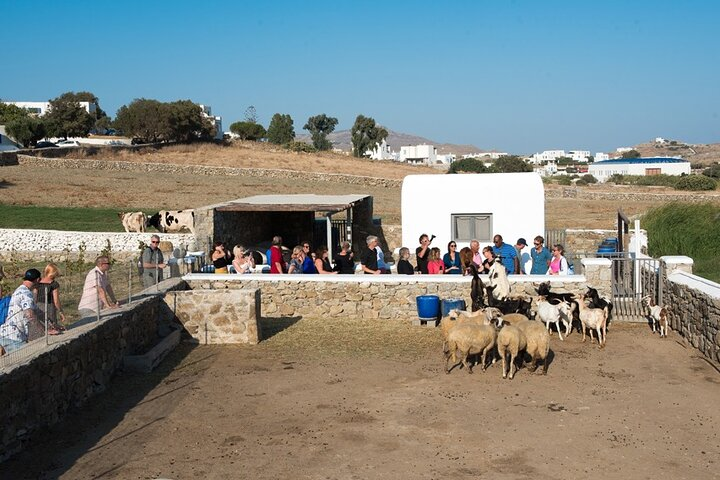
(452, 260)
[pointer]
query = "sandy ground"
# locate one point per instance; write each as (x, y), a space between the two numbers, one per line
(335, 401)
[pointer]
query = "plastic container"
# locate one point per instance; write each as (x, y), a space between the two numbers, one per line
(450, 303)
(428, 307)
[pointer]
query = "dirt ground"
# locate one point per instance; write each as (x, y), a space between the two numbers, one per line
(323, 399)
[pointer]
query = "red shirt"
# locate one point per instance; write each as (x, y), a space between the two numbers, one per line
(275, 258)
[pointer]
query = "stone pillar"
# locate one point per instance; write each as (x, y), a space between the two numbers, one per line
(598, 274)
(676, 263)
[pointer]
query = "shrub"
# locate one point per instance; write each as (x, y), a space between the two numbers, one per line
(471, 165)
(686, 229)
(712, 171)
(588, 178)
(300, 147)
(564, 180)
(696, 182)
(581, 182)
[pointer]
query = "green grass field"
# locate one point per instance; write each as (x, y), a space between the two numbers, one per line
(61, 218)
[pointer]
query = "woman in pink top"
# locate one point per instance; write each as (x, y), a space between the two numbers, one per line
(558, 264)
(435, 265)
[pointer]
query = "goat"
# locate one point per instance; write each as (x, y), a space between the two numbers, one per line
(593, 318)
(550, 313)
(477, 297)
(658, 315)
(499, 281)
(596, 301)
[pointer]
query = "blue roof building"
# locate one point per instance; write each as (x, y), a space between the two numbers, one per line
(639, 166)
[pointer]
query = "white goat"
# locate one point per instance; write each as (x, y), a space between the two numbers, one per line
(593, 319)
(658, 314)
(498, 279)
(550, 313)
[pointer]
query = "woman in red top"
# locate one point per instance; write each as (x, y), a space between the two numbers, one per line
(435, 264)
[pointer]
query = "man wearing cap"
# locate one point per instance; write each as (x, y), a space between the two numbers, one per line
(523, 253)
(21, 312)
(507, 253)
(97, 291)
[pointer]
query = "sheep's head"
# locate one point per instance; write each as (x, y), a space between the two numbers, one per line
(453, 314)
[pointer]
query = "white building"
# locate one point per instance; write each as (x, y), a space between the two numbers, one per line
(490, 155)
(639, 166)
(547, 170)
(579, 155)
(601, 157)
(419, 154)
(217, 121)
(382, 151)
(41, 108)
(449, 207)
(446, 159)
(547, 156)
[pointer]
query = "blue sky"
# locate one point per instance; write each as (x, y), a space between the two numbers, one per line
(517, 76)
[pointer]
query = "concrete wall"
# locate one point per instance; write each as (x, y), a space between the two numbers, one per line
(218, 316)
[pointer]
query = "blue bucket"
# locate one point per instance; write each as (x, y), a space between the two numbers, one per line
(428, 307)
(450, 303)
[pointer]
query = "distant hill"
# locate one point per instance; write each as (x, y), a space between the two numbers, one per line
(704, 154)
(341, 140)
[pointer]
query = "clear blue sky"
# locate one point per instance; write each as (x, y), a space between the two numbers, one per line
(518, 76)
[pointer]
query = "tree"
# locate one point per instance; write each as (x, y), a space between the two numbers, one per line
(145, 119)
(9, 113)
(631, 154)
(511, 164)
(589, 178)
(365, 133)
(712, 171)
(281, 130)
(319, 127)
(185, 122)
(696, 182)
(469, 165)
(248, 130)
(67, 118)
(101, 118)
(26, 130)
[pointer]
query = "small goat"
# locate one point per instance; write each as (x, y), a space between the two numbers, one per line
(593, 319)
(658, 314)
(596, 301)
(550, 313)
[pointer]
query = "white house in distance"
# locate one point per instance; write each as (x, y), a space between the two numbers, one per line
(470, 206)
(639, 166)
(419, 154)
(552, 155)
(41, 108)
(217, 121)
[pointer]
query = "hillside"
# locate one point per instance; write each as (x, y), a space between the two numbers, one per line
(341, 140)
(704, 154)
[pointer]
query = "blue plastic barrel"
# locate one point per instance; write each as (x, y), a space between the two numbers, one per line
(450, 303)
(428, 307)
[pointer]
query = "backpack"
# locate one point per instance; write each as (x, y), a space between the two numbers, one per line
(4, 306)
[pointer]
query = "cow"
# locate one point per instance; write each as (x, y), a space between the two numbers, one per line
(133, 221)
(172, 221)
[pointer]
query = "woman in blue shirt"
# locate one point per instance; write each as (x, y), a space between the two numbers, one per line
(452, 259)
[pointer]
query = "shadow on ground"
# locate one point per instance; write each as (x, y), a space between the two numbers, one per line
(89, 425)
(271, 326)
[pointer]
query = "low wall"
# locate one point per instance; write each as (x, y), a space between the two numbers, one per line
(24, 244)
(39, 390)
(367, 296)
(218, 316)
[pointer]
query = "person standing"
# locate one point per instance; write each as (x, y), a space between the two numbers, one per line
(523, 253)
(48, 298)
(153, 263)
(368, 259)
(344, 262)
(508, 255)
(452, 259)
(22, 312)
(541, 257)
(558, 264)
(477, 257)
(97, 291)
(277, 262)
(308, 265)
(422, 253)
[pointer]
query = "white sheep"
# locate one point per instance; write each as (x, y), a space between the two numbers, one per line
(593, 319)
(469, 339)
(658, 314)
(538, 343)
(511, 319)
(510, 340)
(550, 313)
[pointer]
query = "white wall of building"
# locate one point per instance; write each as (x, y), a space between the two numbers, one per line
(41, 108)
(426, 154)
(579, 155)
(547, 155)
(601, 157)
(515, 200)
(602, 171)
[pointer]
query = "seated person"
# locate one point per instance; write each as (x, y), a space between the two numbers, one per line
(404, 266)
(322, 262)
(434, 264)
(220, 258)
(243, 262)
(452, 259)
(296, 261)
(487, 252)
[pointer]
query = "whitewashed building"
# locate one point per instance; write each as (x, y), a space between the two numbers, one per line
(639, 166)
(450, 207)
(382, 151)
(217, 121)
(601, 157)
(419, 154)
(41, 108)
(446, 159)
(579, 155)
(547, 156)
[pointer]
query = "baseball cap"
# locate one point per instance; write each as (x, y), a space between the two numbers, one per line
(32, 275)
(521, 241)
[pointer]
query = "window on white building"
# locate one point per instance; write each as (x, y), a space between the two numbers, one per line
(468, 226)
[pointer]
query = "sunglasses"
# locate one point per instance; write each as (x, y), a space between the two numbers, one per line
(155, 241)
(453, 245)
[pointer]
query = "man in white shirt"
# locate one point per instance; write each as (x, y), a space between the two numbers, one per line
(21, 311)
(97, 291)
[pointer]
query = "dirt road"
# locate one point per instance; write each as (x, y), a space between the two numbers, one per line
(370, 400)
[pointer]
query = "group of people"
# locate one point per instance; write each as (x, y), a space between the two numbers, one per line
(304, 261)
(517, 259)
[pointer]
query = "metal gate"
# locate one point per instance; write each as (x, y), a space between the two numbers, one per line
(633, 279)
(339, 233)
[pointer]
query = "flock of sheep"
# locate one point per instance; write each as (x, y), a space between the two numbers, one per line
(503, 323)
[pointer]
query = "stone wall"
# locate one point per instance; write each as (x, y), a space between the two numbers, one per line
(218, 316)
(25, 244)
(630, 193)
(41, 388)
(366, 296)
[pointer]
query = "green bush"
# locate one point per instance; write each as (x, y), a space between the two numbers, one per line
(300, 147)
(686, 229)
(564, 180)
(581, 182)
(588, 178)
(696, 182)
(712, 171)
(470, 165)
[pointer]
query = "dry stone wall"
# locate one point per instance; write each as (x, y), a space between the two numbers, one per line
(624, 194)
